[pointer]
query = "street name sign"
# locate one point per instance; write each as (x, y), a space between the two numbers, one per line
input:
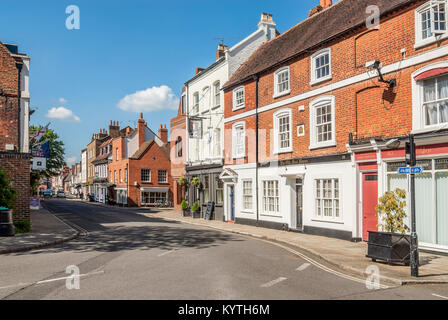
(410, 170)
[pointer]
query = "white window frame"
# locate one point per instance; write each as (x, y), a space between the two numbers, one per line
(276, 118)
(216, 94)
(158, 176)
(419, 41)
(263, 206)
(183, 104)
(278, 93)
(195, 107)
(418, 115)
(318, 54)
(313, 134)
(333, 217)
(235, 127)
(235, 105)
(150, 175)
(251, 195)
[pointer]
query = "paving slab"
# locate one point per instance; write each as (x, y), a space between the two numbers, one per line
(46, 230)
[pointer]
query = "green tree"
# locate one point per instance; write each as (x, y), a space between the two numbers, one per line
(7, 193)
(57, 155)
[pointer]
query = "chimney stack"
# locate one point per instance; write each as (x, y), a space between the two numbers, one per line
(163, 133)
(221, 52)
(323, 4)
(141, 130)
(114, 129)
(268, 25)
(326, 3)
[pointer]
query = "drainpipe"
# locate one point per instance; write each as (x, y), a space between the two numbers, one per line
(256, 78)
(19, 97)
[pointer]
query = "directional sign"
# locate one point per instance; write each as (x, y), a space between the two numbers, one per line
(410, 170)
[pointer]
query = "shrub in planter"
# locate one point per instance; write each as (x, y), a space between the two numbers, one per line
(195, 209)
(391, 244)
(195, 182)
(182, 181)
(184, 206)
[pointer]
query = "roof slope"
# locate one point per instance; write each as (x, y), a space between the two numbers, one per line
(340, 17)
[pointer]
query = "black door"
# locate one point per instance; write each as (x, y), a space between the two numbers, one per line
(299, 203)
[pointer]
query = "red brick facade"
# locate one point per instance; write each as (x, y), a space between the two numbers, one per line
(364, 108)
(16, 165)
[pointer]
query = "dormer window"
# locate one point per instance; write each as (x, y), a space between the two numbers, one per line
(430, 22)
(321, 66)
(238, 98)
(281, 82)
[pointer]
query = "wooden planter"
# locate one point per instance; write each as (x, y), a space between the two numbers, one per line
(389, 247)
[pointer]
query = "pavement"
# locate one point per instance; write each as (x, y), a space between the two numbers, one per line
(46, 230)
(345, 255)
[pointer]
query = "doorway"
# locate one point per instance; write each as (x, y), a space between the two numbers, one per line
(231, 213)
(369, 202)
(299, 203)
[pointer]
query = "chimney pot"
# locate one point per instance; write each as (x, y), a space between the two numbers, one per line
(326, 3)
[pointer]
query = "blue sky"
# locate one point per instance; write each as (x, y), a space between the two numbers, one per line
(80, 76)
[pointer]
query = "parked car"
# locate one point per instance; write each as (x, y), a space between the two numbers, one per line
(48, 193)
(60, 194)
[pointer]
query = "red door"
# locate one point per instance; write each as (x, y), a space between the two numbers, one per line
(369, 202)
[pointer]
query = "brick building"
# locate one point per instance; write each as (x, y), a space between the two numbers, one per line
(178, 151)
(140, 168)
(311, 147)
(14, 117)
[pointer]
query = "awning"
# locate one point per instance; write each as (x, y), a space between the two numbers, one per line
(431, 73)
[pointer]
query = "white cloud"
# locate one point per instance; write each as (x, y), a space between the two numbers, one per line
(151, 99)
(71, 160)
(62, 100)
(63, 114)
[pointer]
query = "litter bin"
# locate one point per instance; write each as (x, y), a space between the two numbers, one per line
(6, 225)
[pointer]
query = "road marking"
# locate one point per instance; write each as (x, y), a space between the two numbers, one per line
(49, 280)
(439, 296)
(273, 282)
(303, 267)
(167, 252)
(321, 266)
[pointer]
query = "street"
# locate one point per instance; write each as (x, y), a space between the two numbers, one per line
(122, 254)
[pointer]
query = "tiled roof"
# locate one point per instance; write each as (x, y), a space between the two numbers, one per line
(317, 29)
(146, 145)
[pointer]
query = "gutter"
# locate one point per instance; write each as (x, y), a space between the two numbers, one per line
(256, 78)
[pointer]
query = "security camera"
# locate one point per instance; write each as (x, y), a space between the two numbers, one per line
(375, 64)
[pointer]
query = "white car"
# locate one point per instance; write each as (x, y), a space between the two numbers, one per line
(60, 194)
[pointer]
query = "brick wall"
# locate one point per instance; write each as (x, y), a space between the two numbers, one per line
(9, 115)
(17, 167)
(365, 109)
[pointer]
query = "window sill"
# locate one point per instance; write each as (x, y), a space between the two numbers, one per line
(271, 215)
(323, 145)
(320, 80)
(239, 157)
(216, 107)
(239, 108)
(278, 95)
(431, 128)
(247, 211)
(423, 43)
(328, 221)
(288, 150)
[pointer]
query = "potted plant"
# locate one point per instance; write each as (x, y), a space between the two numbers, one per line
(182, 181)
(195, 182)
(7, 197)
(184, 206)
(391, 244)
(196, 210)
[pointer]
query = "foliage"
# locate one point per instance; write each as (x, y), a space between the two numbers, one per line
(195, 182)
(23, 226)
(57, 154)
(7, 193)
(184, 205)
(195, 207)
(391, 210)
(182, 181)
